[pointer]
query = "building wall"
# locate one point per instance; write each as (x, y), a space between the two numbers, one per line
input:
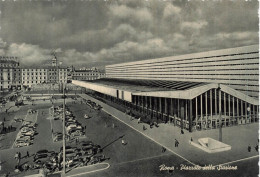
(9, 72)
(34, 76)
(87, 75)
(235, 67)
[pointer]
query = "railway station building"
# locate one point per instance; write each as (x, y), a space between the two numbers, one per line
(196, 91)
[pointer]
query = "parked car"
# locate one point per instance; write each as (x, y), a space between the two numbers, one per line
(86, 116)
(58, 137)
(73, 162)
(97, 159)
(21, 143)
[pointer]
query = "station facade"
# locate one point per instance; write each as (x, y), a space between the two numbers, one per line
(195, 91)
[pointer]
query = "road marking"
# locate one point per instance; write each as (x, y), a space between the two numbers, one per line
(150, 138)
(146, 158)
(19, 130)
(22, 125)
(238, 160)
(108, 165)
(88, 97)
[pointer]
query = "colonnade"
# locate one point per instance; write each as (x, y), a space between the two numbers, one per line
(209, 110)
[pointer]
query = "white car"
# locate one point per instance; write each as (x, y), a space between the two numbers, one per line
(29, 133)
(21, 144)
(86, 116)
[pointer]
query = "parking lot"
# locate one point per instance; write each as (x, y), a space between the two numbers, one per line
(126, 151)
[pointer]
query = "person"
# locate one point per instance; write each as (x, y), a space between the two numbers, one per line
(182, 132)
(144, 128)
(176, 143)
(16, 156)
(249, 148)
(151, 125)
(163, 149)
(256, 148)
(27, 154)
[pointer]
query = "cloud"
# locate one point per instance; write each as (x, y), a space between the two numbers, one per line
(28, 54)
(99, 33)
(171, 10)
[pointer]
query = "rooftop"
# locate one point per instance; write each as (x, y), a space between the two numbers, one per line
(147, 85)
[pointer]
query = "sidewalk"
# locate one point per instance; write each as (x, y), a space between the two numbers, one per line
(239, 137)
(84, 170)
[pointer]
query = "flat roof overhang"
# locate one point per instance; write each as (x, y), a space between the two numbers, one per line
(125, 93)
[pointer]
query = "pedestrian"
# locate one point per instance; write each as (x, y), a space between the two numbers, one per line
(19, 155)
(176, 143)
(182, 132)
(51, 130)
(163, 149)
(144, 128)
(16, 156)
(249, 148)
(27, 154)
(256, 148)
(139, 120)
(191, 139)
(113, 125)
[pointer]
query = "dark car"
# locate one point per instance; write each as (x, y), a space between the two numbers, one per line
(39, 158)
(43, 151)
(97, 159)
(85, 143)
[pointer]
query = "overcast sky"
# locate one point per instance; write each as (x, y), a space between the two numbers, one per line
(87, 33)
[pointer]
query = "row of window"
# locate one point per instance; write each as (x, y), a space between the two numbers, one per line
(186, 59)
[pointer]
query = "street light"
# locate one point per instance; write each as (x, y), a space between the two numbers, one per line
(64, 139)
(220, 115)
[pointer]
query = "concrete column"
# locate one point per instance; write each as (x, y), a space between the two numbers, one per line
(156, 106)
(201, 111)
(146, 104)
(160, 106)
(216, 106)
(225, 113)
(242, 111)
(190, 116)
(233, 99)
(257, 109)
(229, 109)
(196, 103)
(237, 110)
(254, 114)
(151, 108)
(171, 107)
(211, 114)
(178, 109)
(245, 112)
(206, 108)
(220, 123)
(143, 102)
(166, 106)
(186, 110)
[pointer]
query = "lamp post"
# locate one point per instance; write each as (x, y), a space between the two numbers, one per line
(220, 115)
(64, 139)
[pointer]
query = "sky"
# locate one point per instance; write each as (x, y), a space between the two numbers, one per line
(102, 32)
